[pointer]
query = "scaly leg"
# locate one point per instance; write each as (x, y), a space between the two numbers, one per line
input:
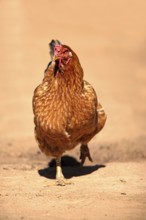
(60, 180)
(84, 152)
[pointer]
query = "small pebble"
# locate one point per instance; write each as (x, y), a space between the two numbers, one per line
(123, 194)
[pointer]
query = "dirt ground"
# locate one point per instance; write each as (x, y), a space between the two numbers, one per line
(110, 40)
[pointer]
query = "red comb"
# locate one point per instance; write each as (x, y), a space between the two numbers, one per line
(57, 47)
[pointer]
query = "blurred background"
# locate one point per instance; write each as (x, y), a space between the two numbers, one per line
(110, 39)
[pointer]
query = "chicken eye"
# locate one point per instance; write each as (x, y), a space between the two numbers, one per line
(65, 52)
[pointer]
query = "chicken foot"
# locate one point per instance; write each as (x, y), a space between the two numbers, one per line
(60, 180)
(84, 152)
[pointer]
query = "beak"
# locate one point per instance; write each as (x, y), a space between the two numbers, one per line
(56, 58)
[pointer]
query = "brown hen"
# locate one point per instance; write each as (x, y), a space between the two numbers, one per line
(66, 110)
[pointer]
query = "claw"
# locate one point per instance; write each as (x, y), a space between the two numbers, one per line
(63, 182)
(84, 152)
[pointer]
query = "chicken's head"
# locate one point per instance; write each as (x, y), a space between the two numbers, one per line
(62, 57)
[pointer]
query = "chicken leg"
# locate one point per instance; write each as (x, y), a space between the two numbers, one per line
(84, 152)
(60, 180)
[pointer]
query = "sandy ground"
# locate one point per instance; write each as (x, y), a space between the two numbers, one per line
(110, 40)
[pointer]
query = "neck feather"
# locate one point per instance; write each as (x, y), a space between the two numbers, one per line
(72, 78)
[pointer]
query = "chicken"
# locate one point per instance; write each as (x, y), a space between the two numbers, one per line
(66, 110)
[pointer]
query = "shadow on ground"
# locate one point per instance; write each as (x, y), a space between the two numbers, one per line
(71, 167)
